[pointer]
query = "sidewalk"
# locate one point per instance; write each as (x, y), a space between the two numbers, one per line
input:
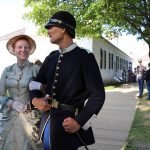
(113, 124)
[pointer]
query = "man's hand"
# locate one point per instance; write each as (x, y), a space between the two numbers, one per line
(70, 125)
(41, 104)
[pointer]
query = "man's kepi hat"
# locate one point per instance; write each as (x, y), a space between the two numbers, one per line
(63, 19)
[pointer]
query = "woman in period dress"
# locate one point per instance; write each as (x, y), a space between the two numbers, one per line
(17, 121)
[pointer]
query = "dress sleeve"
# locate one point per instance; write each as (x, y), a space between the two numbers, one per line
(35, 70)
(3, 88)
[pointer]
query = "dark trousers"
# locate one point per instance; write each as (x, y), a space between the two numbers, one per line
(141, 86)
(148, 89)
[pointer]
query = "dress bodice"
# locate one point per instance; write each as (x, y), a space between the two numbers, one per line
(15, 80)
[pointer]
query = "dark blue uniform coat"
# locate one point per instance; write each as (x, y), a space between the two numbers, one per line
(71, 78)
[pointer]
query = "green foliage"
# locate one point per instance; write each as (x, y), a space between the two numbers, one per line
(97, 17)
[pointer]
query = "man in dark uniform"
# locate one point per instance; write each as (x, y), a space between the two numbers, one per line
(71, 77)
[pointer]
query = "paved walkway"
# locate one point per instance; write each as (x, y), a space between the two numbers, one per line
(112, 126)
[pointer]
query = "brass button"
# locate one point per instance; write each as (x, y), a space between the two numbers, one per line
(54, 94)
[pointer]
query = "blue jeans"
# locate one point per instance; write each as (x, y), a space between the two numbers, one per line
(141, 86)
(148, 89)
(46, 137)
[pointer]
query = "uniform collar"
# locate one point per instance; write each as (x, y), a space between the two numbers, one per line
(68, 49)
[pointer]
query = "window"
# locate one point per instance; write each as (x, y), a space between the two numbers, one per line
(111, 60)
(101, 58)
(109, 66)
(104, 59)
(117, 63)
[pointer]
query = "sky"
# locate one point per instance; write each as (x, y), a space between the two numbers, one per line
(10, 15)
(133, 47)
(11, 12)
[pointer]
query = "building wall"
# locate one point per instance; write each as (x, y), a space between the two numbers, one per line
(108, 73)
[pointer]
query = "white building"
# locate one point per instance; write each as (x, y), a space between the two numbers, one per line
(111, 60)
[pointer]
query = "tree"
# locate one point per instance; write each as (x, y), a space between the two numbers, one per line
(131, 16)
(97, 17)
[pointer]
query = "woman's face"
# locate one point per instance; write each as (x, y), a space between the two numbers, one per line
(22, 49)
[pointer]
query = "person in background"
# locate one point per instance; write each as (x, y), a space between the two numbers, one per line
(72, 77)
(140, 77)
(134, 74)
(147, 78)
(17, 120)
(37, 62)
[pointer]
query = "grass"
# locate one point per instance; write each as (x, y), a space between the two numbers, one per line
(112, 87)
(139, 135)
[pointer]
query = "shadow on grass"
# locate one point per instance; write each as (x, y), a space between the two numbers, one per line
(113, 86)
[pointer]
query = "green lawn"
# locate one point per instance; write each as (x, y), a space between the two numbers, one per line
(139, 135)
(110, 87)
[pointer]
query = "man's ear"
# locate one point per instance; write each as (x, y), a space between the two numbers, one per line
(63, 30)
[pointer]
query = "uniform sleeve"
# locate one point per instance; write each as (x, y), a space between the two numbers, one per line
(147, 75)
(3, 88)
(41, 78)
(95, 87)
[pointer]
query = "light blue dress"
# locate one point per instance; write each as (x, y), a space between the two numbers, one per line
(16, 129)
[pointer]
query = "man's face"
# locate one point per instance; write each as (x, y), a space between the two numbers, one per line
(56, 34)
(140, 63)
